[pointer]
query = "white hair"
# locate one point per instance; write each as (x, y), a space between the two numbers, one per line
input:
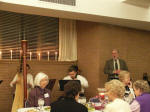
(39, 77)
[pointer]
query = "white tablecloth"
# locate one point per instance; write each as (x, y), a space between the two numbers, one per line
(26, 109)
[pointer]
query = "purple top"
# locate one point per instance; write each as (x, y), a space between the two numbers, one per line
(37, 93)
(144, 101)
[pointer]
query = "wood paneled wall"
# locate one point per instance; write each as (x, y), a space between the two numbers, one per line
(95, 43)
(8, 70)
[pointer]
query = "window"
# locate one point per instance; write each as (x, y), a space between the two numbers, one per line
(42, 34)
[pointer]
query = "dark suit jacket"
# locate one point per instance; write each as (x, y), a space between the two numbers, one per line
(109, 66)
(67, 105)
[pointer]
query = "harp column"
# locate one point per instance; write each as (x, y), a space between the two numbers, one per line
(24, 54)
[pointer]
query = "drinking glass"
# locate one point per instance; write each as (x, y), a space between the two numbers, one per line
(41, 103)
(82, 100)
(101, 93)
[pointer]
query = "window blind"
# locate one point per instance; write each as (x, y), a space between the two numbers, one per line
(40, 32)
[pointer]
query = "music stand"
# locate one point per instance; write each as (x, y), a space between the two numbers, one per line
(1, 81)
(51, 84)
(63, 82)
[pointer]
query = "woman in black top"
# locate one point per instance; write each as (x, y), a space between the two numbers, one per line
(69, 103)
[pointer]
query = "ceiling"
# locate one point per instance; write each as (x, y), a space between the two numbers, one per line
(78, 16)
(140, 3)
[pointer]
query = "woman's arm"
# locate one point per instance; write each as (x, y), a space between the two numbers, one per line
(14, 81)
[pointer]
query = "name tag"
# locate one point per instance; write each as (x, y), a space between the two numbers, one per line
(46, 95)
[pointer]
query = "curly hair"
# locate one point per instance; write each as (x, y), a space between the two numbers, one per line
(116, 88)
(73, 68)
(142, 85)
(123, 74)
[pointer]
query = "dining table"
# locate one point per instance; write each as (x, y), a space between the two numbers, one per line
(45, 109)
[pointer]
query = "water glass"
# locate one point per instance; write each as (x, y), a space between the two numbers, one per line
(82, 100)
(41, 103)
(101, 93)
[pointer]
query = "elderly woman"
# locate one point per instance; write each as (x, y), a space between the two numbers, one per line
(69, 103)
(39, 91)
(124, 77)
(142, 100)
(115, 91)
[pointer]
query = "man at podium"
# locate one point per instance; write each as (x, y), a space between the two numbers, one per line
(114, 65)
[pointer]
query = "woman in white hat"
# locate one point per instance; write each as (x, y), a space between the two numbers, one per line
(39, 91)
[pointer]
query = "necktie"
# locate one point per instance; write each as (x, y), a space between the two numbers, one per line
(116, 65)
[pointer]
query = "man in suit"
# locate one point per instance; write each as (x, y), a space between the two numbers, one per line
(114, 65)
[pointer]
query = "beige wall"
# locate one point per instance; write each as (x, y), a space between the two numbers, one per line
(8, 69)
(95, 42)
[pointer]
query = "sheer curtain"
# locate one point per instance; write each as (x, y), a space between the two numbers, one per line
(67, 40)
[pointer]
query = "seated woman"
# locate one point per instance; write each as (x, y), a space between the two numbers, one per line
(69, 103)
(115, 91)
(142, 100)
(124, 77)
(39, 91)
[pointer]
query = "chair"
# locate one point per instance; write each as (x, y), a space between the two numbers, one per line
(51, 84)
